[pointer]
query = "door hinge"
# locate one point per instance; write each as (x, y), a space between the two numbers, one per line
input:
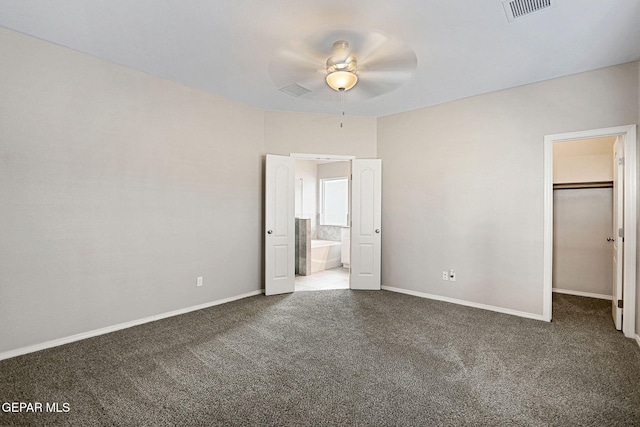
(621, 233)
(621, 161)
(620, 304)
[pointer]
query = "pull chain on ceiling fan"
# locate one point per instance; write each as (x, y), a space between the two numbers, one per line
(341, 70)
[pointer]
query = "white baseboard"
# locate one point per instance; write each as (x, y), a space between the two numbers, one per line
(466, 303)
(581, 294)
(120, 326)
(638, 339)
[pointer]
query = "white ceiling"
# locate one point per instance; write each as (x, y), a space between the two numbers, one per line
(463, 47)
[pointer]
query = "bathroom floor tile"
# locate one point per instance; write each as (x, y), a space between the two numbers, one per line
(336, 278)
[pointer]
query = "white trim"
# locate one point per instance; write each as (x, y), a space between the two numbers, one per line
(638, 339)
(465, 303)
(120, 326)
(308, 156)
(582, 294)
(630, 213)
(547, 294)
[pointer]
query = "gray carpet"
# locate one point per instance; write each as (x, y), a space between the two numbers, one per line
(340, 358)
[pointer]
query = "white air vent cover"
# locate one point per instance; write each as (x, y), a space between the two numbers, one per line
(295, 90)
(518, 8)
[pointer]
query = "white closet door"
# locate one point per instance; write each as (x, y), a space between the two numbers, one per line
(366, 202)
(618, 221)
(279, 225)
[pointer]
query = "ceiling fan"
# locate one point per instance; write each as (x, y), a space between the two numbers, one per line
(370, 63)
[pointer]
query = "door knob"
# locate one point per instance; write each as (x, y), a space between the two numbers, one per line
(610, 239)
(378, 230)
(270, 232)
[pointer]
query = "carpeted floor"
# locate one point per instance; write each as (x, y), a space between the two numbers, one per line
(340, 358)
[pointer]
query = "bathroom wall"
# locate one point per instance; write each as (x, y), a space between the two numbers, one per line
(307, 193)
(332, 170)
(307, 206)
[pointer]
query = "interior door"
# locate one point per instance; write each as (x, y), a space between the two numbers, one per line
(279, 224)
(618, 221)
(366, 219)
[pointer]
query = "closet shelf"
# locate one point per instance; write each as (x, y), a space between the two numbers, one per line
(578, 185)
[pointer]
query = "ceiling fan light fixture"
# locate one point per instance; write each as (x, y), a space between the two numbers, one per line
(342, 80)
(341, 67)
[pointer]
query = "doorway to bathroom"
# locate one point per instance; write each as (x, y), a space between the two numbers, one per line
(322, 233)
(360, 260)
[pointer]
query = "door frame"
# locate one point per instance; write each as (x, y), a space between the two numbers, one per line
(630, 214)
(328, 157)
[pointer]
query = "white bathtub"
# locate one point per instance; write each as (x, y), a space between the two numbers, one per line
(325, 254)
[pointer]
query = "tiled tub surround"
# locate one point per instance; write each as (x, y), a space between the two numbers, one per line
(303, 246)
(330, 232)
(314, 255)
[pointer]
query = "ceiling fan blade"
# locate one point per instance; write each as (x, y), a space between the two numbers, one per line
(294, 65)
(302, 58)
(366, 89)
(395, 76)
(370, 44)
(395, 61)
(314, 82)
(323, 41)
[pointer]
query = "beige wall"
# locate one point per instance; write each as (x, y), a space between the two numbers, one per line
(581, 161)
(117, 190)
(287, 133)
(463, 184)
(582, 256)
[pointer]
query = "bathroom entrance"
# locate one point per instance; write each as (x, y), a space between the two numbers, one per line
(322, 223)
(322, 228)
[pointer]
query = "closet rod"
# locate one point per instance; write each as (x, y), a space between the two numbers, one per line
(579, 185)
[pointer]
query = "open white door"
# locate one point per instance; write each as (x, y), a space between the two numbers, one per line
(618, 233)
(366, 219)
(279, 225)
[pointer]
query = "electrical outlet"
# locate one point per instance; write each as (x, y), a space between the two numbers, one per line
(445, 275)
(452, 275)
(199, 281)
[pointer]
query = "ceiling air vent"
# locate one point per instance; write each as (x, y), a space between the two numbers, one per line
(295, 90)
(519, 8)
